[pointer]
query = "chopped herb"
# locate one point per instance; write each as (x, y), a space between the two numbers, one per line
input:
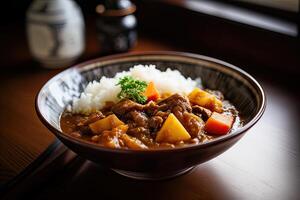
(132, 89)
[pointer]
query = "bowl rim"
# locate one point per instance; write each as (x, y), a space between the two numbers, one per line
(59, 134)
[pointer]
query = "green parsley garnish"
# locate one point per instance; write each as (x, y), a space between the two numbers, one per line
(132, 89)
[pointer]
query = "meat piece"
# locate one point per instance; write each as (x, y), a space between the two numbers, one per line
(84, 130)
(106, 110)
(83, 127)
(139, 118)
(178, 112)
(126, 106)
(173, 101)
(91, 118)
(155, 122)
(202, 112)
(192, 123)
(151, 107)
(142, 134)
(137, 131)
(163, 115)
(182, 109)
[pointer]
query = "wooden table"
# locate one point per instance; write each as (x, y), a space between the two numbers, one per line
(263, 165)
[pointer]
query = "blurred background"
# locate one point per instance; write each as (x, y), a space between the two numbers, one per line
(243, 32)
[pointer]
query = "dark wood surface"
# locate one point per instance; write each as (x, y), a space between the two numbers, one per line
(262, 165)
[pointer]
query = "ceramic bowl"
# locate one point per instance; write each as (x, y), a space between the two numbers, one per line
(238, 86)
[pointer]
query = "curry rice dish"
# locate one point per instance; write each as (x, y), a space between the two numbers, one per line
(145, 108)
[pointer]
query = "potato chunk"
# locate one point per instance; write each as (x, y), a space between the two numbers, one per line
(172, 131)
(104, 124)
(205, 99)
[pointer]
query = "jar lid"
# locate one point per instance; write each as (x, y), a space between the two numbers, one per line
(116, 8)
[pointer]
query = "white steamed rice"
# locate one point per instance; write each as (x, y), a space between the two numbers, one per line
(98, 92)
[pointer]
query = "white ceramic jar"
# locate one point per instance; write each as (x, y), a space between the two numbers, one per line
(55, 31)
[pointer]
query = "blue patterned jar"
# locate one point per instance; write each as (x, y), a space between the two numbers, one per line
(55, 31)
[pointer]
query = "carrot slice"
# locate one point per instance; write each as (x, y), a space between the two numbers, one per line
(218, 124)
(151, 92)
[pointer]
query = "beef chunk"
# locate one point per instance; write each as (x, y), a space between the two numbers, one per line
(150, 108)
(137, 131)
(139, 118)
(181, 108)
(178, 112)
(83, 127)
(142, 134)
(163, 115)
(156, 122)
(125, 106)
(202, 112)
(91, 118)
(192, 123)
(106, 110)
(176, 100)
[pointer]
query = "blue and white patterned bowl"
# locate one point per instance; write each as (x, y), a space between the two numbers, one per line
(238, 86)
